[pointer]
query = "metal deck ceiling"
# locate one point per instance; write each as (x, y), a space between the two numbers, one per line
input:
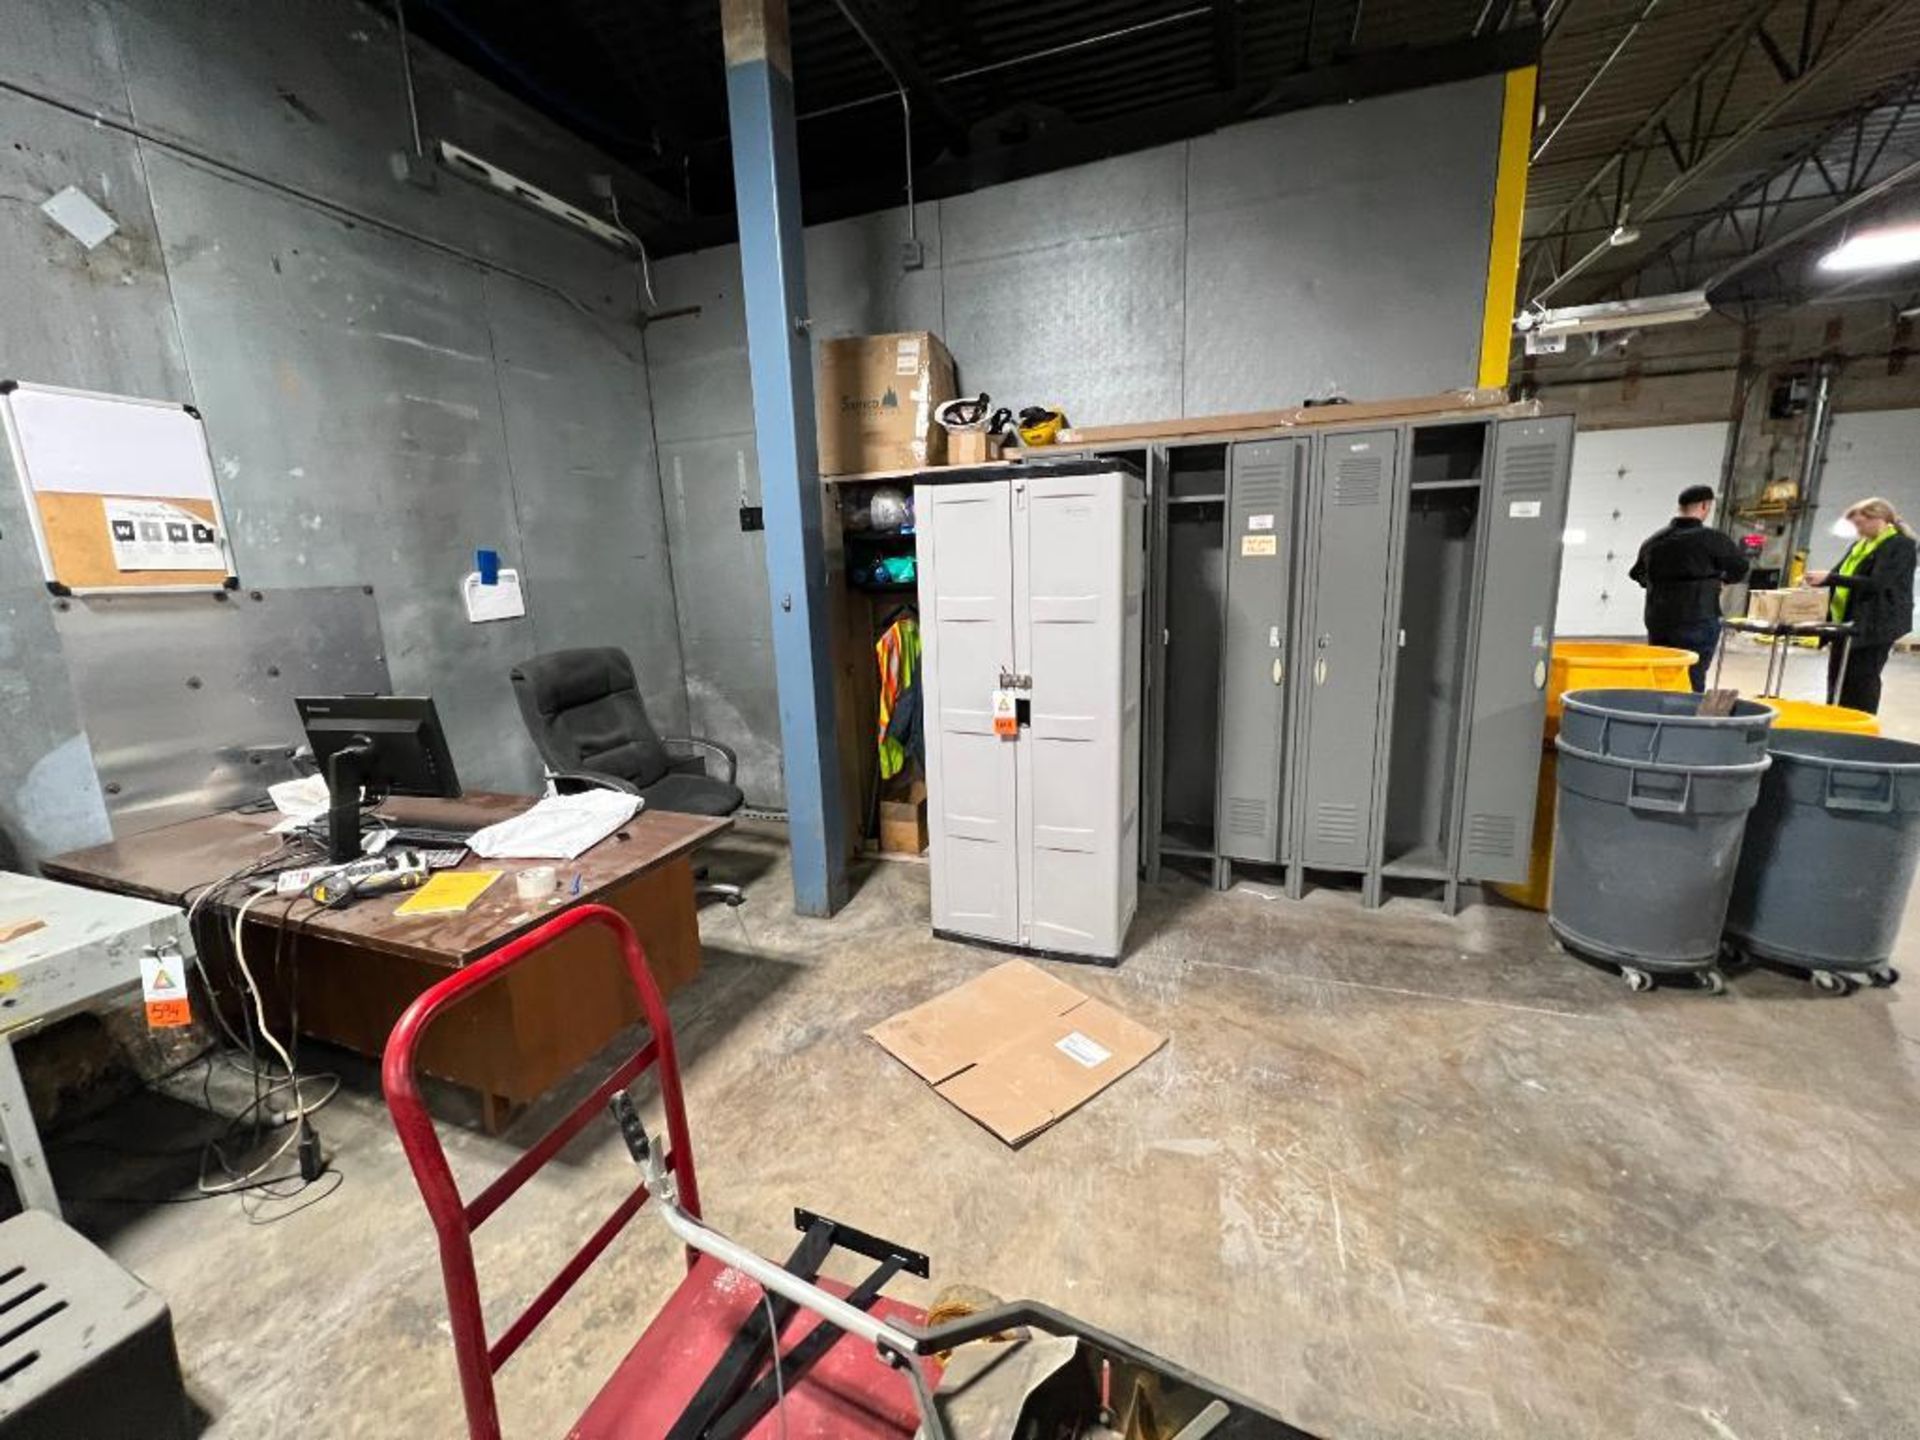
(1714, 127)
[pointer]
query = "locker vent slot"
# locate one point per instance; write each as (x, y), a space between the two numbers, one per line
(1263, 485)
(1337, 824)
(1491, 835)
(1247, 816)
(1528, 469)
(1357, 481)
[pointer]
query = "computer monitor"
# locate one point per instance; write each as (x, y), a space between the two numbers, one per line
(384, 744)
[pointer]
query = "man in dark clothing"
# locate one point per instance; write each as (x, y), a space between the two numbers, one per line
(1682, 569)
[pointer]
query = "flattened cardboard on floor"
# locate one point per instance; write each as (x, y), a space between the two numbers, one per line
(1016, 1048)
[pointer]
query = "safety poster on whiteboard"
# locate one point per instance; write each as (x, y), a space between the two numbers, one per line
(120, 491)
(153, 535)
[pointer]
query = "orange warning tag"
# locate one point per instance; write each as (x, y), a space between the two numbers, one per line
(1006, 714)
(163, 981)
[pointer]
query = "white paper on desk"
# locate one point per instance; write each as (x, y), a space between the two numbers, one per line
(560, 827)
(301, 801)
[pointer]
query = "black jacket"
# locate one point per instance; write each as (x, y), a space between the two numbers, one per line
(1682, 569)
(1880, 592)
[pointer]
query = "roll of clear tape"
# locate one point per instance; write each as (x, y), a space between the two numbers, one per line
(536, 882)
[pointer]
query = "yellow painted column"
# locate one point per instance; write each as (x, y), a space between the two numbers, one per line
(1509, 207)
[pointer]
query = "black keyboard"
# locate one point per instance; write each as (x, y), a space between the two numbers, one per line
(424, 837)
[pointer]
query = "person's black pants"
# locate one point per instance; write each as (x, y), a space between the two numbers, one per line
(1860, 686)
(1700, 636)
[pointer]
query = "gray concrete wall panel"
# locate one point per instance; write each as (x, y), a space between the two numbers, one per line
(1341, 248)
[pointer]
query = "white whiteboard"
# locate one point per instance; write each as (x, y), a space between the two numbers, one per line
(119, 491)
(76, 442)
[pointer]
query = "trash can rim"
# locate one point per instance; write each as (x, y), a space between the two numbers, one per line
(1573, 700)
(1670, 767)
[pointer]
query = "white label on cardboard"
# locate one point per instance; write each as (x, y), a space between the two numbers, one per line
(1260, 522)
(1259, 545)
(1524, 510)
(1076, 1046)
(906, 358)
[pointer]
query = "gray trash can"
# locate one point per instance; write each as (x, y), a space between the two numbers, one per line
(1831, 851)
(1644, 857)
(1664, 726)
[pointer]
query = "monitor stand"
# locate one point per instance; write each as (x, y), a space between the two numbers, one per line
(347, 771)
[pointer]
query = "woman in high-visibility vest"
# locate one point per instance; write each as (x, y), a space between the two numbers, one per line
(1873, 590)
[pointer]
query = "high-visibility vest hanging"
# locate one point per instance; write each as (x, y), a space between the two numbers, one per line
(898, 653)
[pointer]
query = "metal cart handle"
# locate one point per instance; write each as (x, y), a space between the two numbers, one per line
(1668, 804)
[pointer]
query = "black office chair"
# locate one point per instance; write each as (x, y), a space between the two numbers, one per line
(584, 712)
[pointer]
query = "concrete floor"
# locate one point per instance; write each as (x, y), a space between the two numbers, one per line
(1397, 1175)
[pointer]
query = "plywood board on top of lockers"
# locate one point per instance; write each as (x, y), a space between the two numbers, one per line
(75, 451)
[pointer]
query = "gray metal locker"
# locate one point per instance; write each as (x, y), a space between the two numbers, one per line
(1344, 648)
(1038, 586)
(1262, 485)
(1519, 585)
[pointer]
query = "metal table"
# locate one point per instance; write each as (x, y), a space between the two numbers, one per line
(87, 949)
(1827, 630)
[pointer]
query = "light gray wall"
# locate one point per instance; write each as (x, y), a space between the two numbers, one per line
(1340, 250)
(377, 407)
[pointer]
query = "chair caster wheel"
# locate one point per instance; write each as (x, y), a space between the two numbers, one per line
(1638, 980)
(734, 902)
(1883, 975)
(1713, 982)
(1831, 982)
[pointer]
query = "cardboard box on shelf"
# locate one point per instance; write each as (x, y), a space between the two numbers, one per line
(877, 395)
(903, 821)
(1015, 1048)
(972, 447)
(1805, 605)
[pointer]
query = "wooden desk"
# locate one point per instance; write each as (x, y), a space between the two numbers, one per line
(353, 971)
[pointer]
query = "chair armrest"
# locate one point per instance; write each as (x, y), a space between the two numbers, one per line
(572, 782)
(699, 742)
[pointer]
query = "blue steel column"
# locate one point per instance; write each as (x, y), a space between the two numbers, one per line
(766, 185)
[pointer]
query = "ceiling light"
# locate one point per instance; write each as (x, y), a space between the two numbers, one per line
(1623, 235)
(1614, 314)
(1875, 250)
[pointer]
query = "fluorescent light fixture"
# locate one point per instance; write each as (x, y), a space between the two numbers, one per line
(1615, 314)
(485, 172)
(1875, 250)
(1573, 536)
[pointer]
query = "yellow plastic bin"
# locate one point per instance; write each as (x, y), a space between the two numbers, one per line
(1812, 715)
(1533, 893)
(1608, 665)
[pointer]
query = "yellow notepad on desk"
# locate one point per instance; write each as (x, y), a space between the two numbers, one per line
(448, 893)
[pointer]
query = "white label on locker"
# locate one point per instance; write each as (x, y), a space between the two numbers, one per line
(1006, 713)
(1524, 510)
(1259, 545)
(1078, 1047)
(1260, 522)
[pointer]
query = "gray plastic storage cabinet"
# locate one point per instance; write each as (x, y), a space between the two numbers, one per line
(1033, 588)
